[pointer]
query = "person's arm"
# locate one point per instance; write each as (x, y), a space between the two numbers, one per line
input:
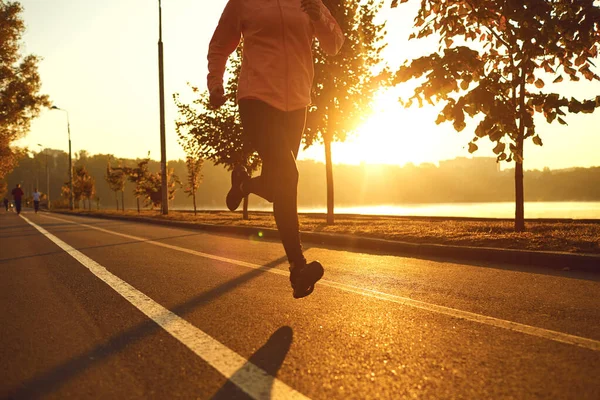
(327, 31)
(224, 41)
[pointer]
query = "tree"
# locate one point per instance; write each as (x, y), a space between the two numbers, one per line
(345, 85)
(65, 194)
(84, 186)
(194, 168)
(497, 71)
(148, 185)
(139, 176)
(115, 177)
(154, 188)
(216, 135)
(20, 98)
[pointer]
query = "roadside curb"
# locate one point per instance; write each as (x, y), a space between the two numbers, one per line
(547, 259)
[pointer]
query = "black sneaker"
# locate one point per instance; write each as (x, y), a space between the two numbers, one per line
(235, 195)
(303, 278)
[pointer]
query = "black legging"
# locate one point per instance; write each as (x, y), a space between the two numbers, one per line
(276, 136)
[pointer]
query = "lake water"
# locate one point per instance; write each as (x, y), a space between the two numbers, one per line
(576, 210)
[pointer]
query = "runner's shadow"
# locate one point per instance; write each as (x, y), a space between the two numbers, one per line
(269, 358)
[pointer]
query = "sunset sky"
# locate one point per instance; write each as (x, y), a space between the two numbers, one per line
(100, 63)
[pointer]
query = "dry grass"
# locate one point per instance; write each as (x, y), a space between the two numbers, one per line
(569, 236)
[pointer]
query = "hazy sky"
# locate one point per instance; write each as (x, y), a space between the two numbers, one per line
(100, 63)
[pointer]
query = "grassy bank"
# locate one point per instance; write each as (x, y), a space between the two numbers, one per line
(571, 236)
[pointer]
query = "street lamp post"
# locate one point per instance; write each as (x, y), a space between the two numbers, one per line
(161, 91)
(71, 203)
(37, 174)
(47, 177)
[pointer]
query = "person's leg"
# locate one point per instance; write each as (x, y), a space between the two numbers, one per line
(260, 122)
(258, 119)
(276, 136)
(36, 206)
(267, 130)
(285, 202)
(18, 206)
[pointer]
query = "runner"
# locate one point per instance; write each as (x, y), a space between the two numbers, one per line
(36, 201)
(18, 194)
(273, 94)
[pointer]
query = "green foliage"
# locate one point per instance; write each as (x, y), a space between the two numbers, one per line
(216, 134)
(345, 84)
(115, 177)
(494, 63)
(84, 186)
(194, 167)
(20, 100)
(139, 175)
(148, 185)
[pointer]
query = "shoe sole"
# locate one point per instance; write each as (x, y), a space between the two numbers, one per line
(233, 199)
(309, 284)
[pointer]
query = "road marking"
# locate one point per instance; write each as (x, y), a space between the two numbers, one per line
(452, 312)
(253, 380)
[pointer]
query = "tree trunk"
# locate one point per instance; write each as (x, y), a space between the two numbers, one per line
(117, 200)
(329, 173)
(519, 192)
(245, 213)
(138, 204)
(194, 200)
(122, 200)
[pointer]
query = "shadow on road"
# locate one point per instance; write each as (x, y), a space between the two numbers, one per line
(269, 358)
(49, 381)
(60, 251)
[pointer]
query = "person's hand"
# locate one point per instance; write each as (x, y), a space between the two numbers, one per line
(312, 8)
(217, 97)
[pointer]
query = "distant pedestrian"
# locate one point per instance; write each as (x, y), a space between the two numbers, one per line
(18, 194)
(6, 203)
(36, 201)
(273, 95)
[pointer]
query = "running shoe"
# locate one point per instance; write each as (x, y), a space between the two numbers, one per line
(236, 195)
(303, 278)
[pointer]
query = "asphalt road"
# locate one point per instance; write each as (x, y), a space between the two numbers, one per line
(107, 309)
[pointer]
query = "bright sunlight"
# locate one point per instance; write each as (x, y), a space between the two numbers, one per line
(395, 135)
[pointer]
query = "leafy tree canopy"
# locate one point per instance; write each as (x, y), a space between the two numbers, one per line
(20, 84)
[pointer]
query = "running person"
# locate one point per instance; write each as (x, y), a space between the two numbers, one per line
(36, 201)
(18, 194)
(273, 95)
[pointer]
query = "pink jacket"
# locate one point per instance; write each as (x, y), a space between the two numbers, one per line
(277, 66)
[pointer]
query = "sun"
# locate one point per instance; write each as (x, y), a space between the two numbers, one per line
(391, 135)
(394, 135)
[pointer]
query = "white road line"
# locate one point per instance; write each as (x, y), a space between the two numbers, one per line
(253, 380)
(482, 319)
